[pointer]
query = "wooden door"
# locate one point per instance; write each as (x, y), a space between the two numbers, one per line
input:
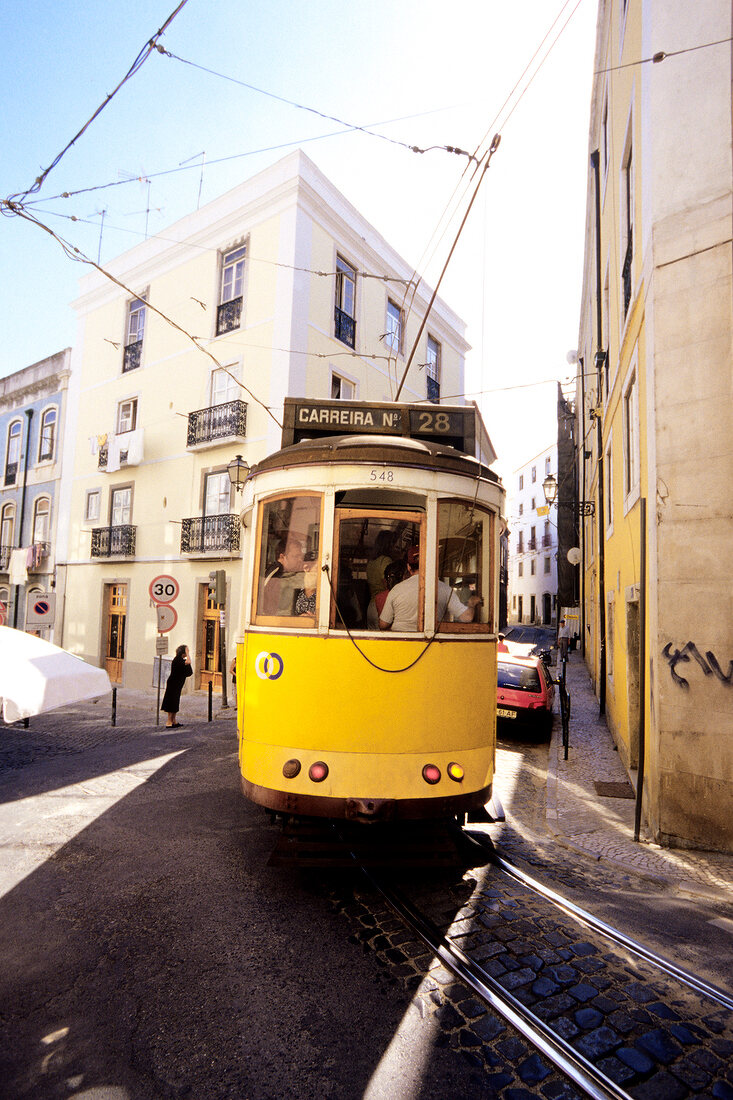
(209, 647)
(116, 614)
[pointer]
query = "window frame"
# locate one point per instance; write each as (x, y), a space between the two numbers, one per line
(394, 327)
(631, 437)
(224, 479)
(39, 500)
(487, 578)
(12, 439)
(88, 496)
(114, 491)
(133, 402)
(298, 622)
(342, 380)
(51, 411)
(8, 514)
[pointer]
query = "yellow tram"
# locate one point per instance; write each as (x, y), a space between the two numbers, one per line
(355, 700)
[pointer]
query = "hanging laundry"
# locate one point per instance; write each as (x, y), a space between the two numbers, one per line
(18, 571)
(133, 444)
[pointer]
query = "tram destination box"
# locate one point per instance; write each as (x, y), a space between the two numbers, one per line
(459, 426)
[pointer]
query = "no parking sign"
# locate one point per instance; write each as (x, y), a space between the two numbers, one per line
(41, 610)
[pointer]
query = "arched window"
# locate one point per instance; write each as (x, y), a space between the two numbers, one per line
(12, 454)
(41, 517)
(4, 604)
(47, 442)
(7, 529)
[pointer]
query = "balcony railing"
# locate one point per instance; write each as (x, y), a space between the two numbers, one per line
(11, 473)
(204, 534)
(132, 356)
(546, 540)
(345, 329)
(626, 272)
(5, 552)
(114, 542)
(228, 316)
(217, 422)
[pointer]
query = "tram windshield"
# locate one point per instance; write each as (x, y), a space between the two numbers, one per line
(372, 553)
(289, 559)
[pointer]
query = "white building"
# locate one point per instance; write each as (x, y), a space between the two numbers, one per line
(532, 543)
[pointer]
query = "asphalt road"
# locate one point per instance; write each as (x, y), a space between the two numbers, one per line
(147, 950)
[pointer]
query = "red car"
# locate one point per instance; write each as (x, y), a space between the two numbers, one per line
(525, 693)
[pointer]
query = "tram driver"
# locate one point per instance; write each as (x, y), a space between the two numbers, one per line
(400, 611)
(286, 578)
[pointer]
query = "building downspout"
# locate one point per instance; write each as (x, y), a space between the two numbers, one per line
(642, 667)
(600, 359)
(29, 414)
(581, 518)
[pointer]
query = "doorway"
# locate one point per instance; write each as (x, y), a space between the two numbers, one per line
(208, 647)
(116, 615)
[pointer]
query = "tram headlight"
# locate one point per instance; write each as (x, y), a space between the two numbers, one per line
(318, 771)
(291, 768)
(431, 773)
(455, 771)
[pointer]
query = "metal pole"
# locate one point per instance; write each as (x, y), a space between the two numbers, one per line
(223, 657)
(595, 162)
(642, 667)
(211, 699)
(160, 675)
(114, 706)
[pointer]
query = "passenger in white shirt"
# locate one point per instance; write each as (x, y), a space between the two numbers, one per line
(401, 606)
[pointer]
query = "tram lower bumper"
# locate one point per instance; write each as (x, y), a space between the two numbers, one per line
(369, 809)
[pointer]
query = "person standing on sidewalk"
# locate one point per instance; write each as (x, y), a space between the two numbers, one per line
(563, 639)
(180, 669)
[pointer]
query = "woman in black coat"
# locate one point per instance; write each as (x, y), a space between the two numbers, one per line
(180, 669)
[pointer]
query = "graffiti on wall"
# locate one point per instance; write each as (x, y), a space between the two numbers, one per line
(708, 663)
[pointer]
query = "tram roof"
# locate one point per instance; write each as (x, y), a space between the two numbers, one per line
(376, 448)
(459, 426)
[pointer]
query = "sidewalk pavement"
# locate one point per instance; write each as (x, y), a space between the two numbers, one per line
(602, 827)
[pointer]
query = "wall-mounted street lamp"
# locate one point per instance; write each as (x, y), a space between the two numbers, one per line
(238, 469)
(549, 488)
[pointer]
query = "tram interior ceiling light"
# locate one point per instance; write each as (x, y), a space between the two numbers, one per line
(238, 470)
(549, 488)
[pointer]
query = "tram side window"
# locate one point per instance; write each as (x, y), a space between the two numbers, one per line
(289, 560)
(371, 552)
(465, 562)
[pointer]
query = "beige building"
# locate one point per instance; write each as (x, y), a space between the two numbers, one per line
(655, 408)
(278, 288)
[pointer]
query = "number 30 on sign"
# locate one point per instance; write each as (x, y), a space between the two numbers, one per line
(164, 589)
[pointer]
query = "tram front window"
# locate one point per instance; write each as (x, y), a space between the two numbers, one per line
(371, 552)
(465, 548)
(289, 560)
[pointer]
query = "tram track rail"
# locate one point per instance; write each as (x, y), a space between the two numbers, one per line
(577, 1066)
(588, 920)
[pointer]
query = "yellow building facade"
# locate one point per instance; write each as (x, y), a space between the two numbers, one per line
(183, 359)
(655, 408)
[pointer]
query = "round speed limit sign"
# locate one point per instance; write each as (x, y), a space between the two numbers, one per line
(164, 589)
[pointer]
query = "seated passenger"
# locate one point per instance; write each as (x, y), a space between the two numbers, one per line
(305, 600)
(400, 611)
(393, 574)
(284, 580)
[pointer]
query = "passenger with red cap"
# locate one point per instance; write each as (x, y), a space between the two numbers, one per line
(400, 611)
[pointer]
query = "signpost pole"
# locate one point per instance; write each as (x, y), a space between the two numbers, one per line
(160, 675)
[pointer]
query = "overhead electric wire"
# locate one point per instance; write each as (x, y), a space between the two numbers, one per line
(315, 111)
(662, 55)
(137, 64)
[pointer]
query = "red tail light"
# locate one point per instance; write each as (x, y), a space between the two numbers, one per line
(318, 771)
(431, 773)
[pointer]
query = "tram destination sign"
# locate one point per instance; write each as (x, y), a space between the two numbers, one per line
(459, 426)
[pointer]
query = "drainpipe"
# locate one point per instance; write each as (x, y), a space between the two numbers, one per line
(581, 361)
(642, 667)
(600, 358)
(29, 414)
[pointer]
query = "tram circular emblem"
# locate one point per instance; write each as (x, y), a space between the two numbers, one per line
(269, 666)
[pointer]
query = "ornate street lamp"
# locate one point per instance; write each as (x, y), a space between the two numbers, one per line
(549, 488)
(238, 469)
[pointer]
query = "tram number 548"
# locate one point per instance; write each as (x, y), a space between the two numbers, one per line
(381, 475)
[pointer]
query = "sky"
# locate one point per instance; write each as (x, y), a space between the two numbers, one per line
(419, 72)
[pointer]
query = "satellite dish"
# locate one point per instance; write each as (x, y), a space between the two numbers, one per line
(574, 555)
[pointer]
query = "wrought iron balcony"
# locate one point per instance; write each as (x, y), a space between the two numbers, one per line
(228, 316)
(433, 389)
(204, 534)
(11, 473)
(132, 357)
(345, 329)
(114, 542)
(626, 272)
(228, 421)
(5, 552)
